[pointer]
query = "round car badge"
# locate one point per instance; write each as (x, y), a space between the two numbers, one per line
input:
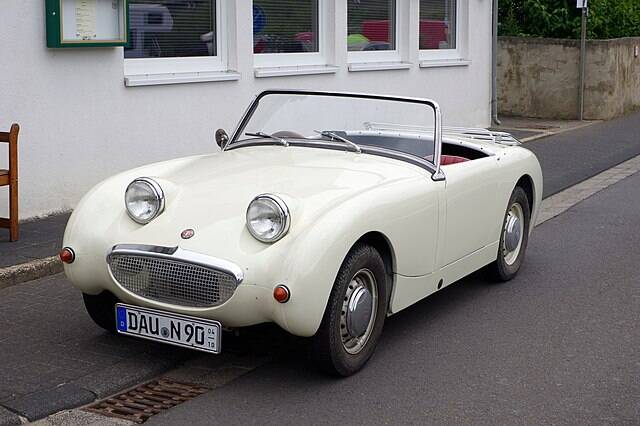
(187, 233)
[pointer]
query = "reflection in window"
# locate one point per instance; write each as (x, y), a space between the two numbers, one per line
(171, 28)
(371, 25)
(285, 26)
(437, 24)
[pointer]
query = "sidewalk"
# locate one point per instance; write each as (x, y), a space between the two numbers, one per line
(38, 239)
(34, 255)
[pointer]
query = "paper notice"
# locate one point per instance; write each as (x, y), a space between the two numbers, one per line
(86, 19)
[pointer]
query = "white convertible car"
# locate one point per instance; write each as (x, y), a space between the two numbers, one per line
(324, 213)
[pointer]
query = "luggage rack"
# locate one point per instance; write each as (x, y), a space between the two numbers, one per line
(502, 138)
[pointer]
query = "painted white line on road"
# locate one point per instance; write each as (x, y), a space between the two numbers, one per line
(564, 200)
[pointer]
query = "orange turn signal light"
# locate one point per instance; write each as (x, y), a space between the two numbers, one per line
(281, 293)
(67, 255)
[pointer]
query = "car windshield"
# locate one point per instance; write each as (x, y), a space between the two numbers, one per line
(345, 121)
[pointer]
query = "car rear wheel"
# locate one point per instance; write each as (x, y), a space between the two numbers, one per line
(101, 309)
(513, 237)
(354, 315)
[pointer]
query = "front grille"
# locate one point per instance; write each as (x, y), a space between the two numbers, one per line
(172, 281)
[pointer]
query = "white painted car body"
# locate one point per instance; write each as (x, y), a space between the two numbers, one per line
(436, 231)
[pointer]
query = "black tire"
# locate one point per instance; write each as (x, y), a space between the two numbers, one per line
(327, 349)
(500, 270)
(101, 309)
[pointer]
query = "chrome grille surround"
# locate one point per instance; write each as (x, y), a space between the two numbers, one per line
(173, 275)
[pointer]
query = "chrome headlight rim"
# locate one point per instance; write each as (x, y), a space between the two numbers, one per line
(283, 213)
(158, 192)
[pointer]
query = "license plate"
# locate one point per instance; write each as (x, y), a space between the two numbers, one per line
(175, 329)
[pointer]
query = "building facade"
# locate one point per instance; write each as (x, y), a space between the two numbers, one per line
(192, 66)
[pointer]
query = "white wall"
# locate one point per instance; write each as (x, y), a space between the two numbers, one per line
(80, 124)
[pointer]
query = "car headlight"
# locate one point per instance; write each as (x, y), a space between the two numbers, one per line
(144, 200)
(268, 218)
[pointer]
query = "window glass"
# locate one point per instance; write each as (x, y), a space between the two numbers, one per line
(171, 28)
(437, 24)
(371, 25)
(285, 26)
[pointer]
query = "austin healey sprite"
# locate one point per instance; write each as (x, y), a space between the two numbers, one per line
(323, 212)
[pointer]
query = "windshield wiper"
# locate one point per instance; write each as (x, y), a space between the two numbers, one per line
(268, 136)
(335, 136)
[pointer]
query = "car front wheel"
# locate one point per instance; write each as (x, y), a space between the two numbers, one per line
(354, 315)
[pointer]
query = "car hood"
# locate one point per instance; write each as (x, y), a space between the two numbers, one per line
(210, 194)
(221, 185)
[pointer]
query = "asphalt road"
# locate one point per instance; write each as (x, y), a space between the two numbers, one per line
(571, 157)
(559, 344)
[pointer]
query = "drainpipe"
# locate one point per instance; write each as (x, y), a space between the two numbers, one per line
(494, 66)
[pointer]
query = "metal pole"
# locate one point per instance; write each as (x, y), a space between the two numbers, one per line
(494, 66)
(583, 57)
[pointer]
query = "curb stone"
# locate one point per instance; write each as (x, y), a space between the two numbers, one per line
(80, 417)
(29, 271)
(40, 404)
(7, 418)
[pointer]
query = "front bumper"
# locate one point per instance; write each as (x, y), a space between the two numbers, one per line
(177, 280)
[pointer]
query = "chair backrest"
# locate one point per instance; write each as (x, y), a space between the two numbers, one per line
(11, 137)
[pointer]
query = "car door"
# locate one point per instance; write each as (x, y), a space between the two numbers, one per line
(469, 208)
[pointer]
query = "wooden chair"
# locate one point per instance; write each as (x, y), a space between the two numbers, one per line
(10, 178)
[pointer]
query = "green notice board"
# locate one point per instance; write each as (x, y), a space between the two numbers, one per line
(87, 23)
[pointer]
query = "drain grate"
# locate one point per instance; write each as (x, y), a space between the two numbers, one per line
(138, 404)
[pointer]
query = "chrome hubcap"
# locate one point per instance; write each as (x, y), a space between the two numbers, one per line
(358, 311)
(513, 234)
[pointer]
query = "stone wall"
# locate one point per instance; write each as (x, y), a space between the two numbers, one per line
(540, 77)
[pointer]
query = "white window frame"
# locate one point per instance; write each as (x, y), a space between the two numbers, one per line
(177, 65)
(462, 26)
(402, 7)
(303, 59)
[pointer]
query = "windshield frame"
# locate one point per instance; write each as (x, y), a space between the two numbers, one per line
(434, 167)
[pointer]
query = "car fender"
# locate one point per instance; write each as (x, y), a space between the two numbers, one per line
(313, 260)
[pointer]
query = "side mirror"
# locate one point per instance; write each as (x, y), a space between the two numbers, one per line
(221, 138)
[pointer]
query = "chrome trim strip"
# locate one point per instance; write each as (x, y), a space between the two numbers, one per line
(177, 253)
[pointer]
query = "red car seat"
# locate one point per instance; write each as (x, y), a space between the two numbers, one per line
(452, 159)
